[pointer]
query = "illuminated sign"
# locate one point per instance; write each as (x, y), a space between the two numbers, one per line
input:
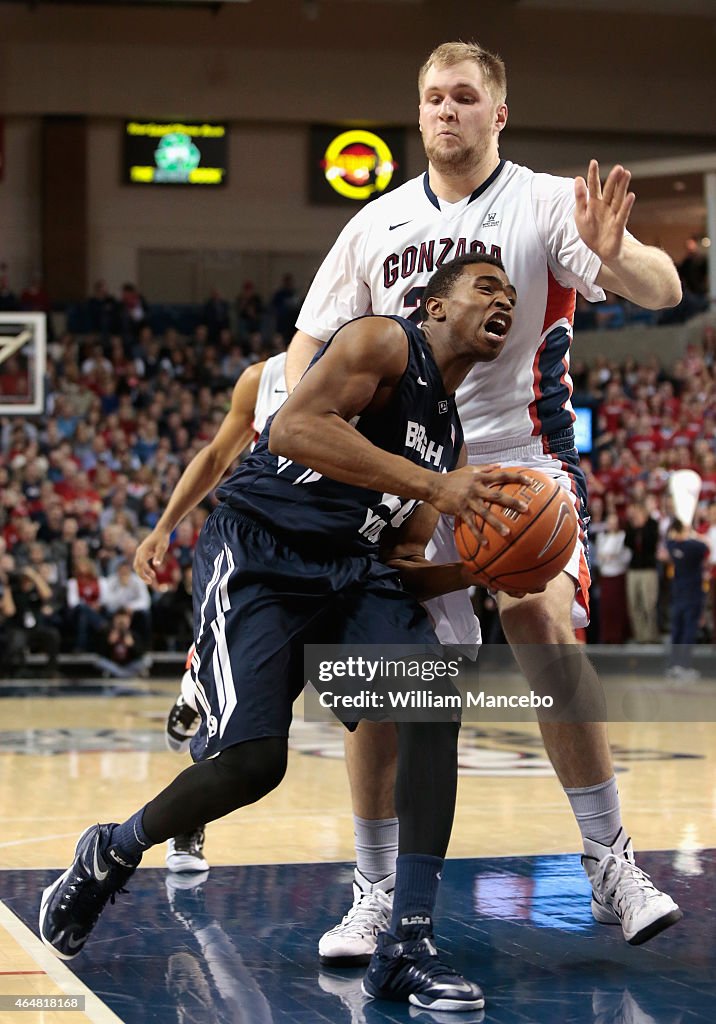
(175, 153)
(354, 163)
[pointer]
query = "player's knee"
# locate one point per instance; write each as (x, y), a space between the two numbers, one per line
(544, 618)
(255, 767)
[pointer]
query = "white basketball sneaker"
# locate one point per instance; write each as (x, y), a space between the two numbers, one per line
(624, 894)
(352, 942)
(186, 852)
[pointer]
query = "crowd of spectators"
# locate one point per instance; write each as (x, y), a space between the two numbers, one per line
(651, 421)
(126, 409)
(128, 406)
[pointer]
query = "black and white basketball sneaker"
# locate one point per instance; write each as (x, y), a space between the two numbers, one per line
(182, 723)
(411, 971)
(186, 852)
(71, 906)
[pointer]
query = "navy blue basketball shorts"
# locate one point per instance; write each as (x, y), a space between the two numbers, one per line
(257, 602)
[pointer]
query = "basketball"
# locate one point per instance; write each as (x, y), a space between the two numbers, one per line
(540, 541)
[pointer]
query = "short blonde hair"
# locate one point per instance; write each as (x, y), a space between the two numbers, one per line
(491, 65)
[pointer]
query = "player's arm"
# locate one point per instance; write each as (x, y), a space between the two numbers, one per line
(299, 354)
(643, 274)
(203, 472)
(363, 362)
(404, 549)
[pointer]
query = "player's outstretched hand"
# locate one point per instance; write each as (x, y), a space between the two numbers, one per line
(600, 214)
(469, 492)
(149, 554)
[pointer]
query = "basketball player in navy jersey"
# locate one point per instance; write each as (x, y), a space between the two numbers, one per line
(555, 236)
(308, 545)
(257, 394)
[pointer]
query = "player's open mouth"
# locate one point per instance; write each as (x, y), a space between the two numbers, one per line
(497, 326)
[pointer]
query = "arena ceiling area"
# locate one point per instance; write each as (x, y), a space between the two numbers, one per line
(698, 8)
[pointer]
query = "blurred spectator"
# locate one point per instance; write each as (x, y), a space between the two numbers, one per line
(85, 602)
(35, 299)
(694, 272)
(613, 557)
(584, 315)
(34, 612)
(688, 560)
(215, 315)
(609, 314)
(172, 613)
(121, 649)
(13, 640)
(15, 377)
(710, 538)
(132, 312)
(642, 539)
(9, 302)
(125, 590)
(249, 309)
(103, 311)
(285, 303)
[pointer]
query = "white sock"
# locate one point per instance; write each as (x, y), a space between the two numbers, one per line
(597, 811)
(376, 842)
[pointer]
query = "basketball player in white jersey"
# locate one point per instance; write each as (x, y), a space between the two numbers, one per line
(258, 393)
(555, 236)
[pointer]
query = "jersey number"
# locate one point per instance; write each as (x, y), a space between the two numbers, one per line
(412, 300)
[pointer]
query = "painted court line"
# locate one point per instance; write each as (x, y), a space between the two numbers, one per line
(17, 974)
(95, 1010)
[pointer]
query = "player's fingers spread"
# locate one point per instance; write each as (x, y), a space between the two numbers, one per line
(626, 208)
(505, 499)
(595, 186)
(494, 520)
(472, 527)
(581, 194)
(513, 476)
(610, 185)
(620, 187)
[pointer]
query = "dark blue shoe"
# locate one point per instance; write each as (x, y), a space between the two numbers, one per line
(412, 972)
(71, 906)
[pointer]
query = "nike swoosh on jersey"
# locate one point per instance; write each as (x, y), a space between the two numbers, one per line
(423, 382)
(392, 227)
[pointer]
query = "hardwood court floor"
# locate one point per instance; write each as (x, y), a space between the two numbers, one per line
(73, 754)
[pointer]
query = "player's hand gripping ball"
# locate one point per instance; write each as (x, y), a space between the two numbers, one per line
(540, 542)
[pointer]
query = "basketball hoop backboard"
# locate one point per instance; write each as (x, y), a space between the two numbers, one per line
(22, 363)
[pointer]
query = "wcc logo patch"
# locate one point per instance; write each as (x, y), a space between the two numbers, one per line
(491, 221)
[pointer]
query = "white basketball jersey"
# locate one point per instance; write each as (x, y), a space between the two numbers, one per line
(272, 391)
(386, 254)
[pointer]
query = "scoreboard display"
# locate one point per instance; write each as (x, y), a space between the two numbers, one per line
(354, 165)
(175, 153)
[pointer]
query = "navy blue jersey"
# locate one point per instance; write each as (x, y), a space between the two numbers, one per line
(310, 511)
